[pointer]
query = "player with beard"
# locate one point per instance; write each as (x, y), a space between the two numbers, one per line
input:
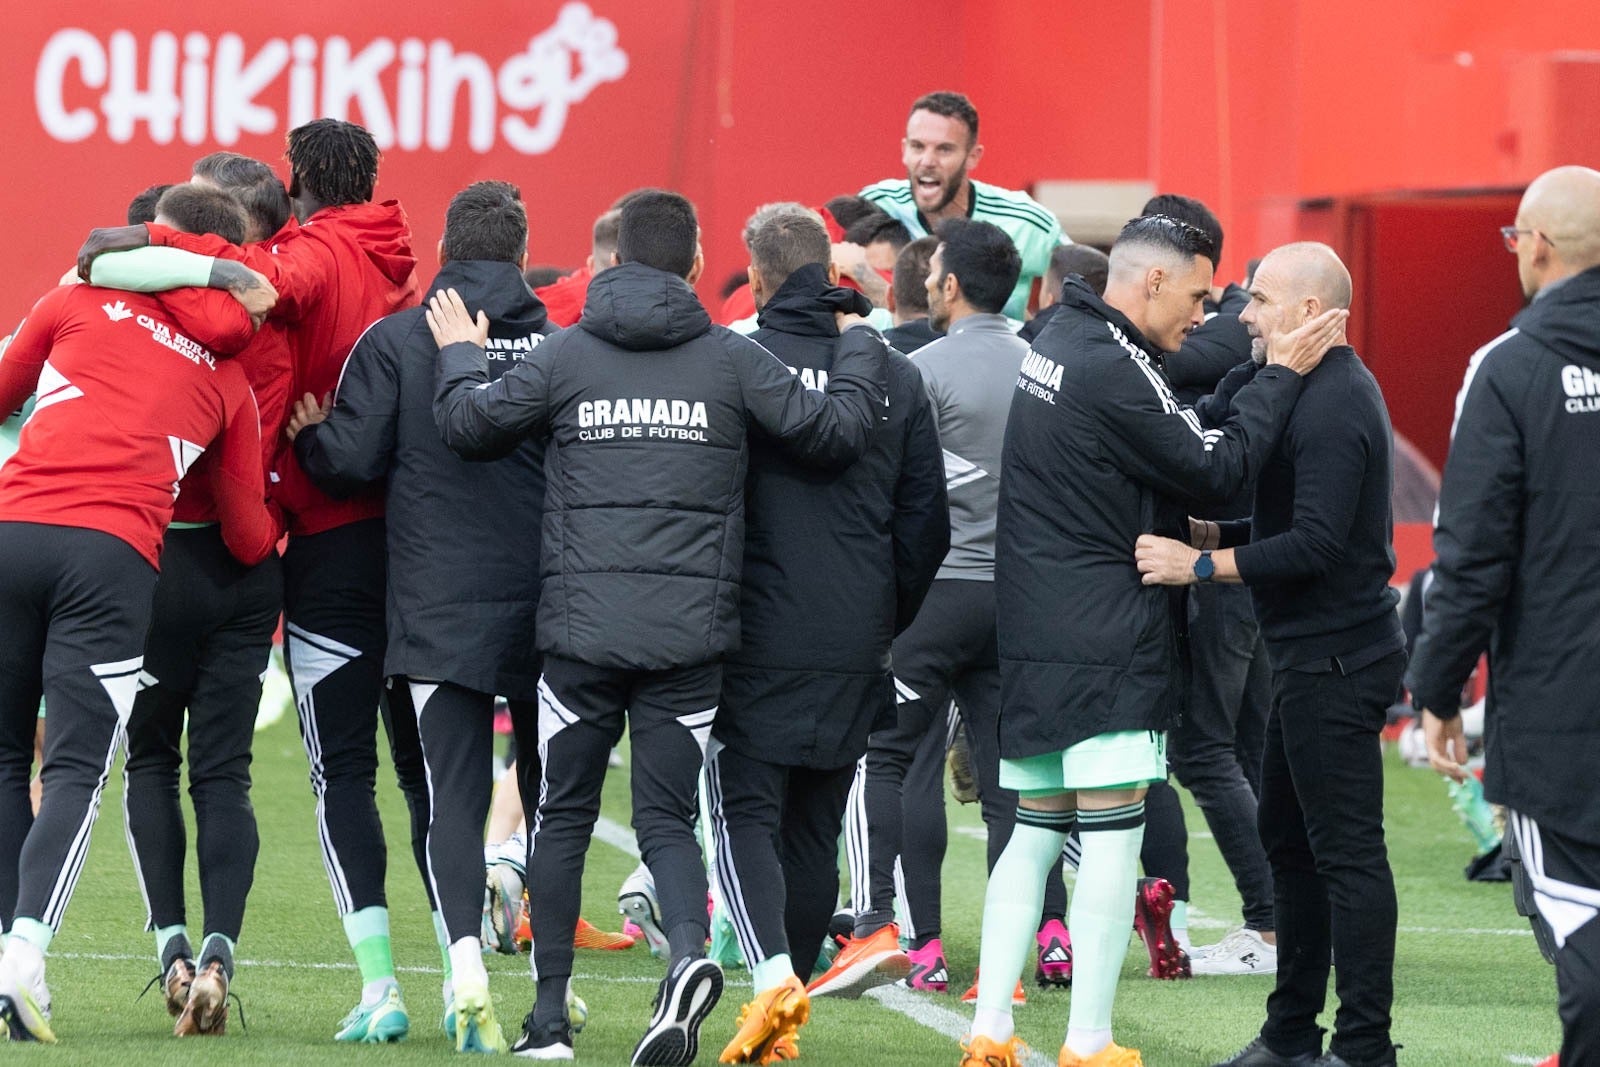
(939, 149)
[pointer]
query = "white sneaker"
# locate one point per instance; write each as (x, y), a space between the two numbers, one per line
(1241, 952)
(636, 900)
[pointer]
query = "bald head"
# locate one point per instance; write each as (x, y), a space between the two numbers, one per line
(1293, 285)
(1309, 270)
(1563, 207)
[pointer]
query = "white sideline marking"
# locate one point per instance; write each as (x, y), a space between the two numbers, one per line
(1525, 1059)
(952, 1024)
(302, 965)
(616, 835)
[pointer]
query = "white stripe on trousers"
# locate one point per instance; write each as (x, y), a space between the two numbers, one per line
(1564, 906)
(67, 878)
(726, 874)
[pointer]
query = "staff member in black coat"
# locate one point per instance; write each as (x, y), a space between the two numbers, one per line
(834, 567)
(462, 541)
(1518, 572)
(1097, 452)
(645, 407)
(1317, 555)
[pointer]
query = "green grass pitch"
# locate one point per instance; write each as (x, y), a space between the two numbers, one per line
(1470, 985)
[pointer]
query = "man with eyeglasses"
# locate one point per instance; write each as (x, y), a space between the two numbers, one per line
(1518, 574)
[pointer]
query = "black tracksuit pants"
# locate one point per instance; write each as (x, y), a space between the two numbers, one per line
(949, 650)
(334, 591)
(456, 728)
(582, 711)
(776, 832)
(1322, 824)
(1557, 882)
(74, 608)
(210, 639)
(1216, 749)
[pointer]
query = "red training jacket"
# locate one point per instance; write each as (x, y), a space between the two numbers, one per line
(564, 297)
(131, 393)
(336, 274)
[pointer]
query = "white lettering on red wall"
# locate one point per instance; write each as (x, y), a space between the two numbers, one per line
(408, 93)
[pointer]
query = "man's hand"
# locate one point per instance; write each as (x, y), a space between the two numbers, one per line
(846, 319)
(307, 412)
(1302, 349)
(851, 259)
(1447, 745)
(109, 239)
(246, 286)
(1163, 561)
(450, 323)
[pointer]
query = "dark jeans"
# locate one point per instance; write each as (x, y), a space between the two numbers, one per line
(1216, 750)
(1322, 825)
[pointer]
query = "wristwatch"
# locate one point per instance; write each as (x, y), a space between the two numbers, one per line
(1203, 567)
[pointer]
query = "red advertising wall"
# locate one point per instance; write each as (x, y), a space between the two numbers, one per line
(1266, 109)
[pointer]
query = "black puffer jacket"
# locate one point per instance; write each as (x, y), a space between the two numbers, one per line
(463, 538)
(1097, 452)
(646, 406)
(1518, 568)
(834, 565)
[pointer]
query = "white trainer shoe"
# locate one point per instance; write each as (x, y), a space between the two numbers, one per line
(1241, 952)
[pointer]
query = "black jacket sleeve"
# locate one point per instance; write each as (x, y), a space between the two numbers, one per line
(921, 522)
(1157, 441)
(1215, 407)
(1475, 541)
(831, 429)
(352, 448)
(483, 420)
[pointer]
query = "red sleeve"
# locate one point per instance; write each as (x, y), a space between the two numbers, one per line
(251, 526)
(22, 354)
(300, 269)
(212, 317)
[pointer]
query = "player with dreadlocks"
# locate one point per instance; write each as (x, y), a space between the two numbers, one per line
(340, 264)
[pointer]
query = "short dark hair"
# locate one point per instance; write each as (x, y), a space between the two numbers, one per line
(911, 275)
(203, 209)
(983, 259)
(541, 276)
(1188, 209)
(644, 190)
(142, 208)
(487, 221)
(849, 210)
(951, 106)
(660, 230)
(871, 230)
(252, 183)
(1093, 265)
(336, 162)
(782, 238)
(604, 241)
(1165, 232)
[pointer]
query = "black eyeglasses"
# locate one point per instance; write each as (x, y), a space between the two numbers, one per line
(1510, 234)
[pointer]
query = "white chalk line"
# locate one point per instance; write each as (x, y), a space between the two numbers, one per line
(307, 965)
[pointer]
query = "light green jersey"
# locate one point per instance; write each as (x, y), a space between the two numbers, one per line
(1031, 226)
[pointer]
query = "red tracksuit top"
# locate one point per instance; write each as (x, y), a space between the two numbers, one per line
(336, 274)
(131, 392)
